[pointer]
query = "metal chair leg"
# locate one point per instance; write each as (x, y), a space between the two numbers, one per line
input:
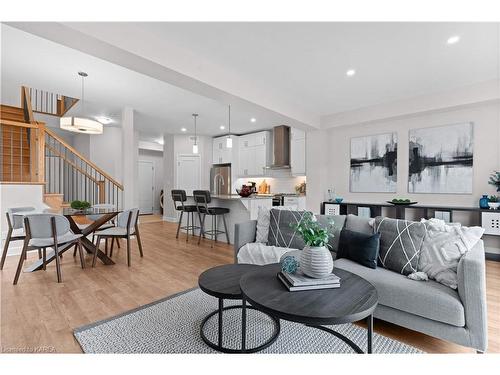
(128, 251)
(225, 227)
(179, 225)
(202, 230)
(44, 258)
(39, 253)
(187, 228)
(139, 242)
(111, 249)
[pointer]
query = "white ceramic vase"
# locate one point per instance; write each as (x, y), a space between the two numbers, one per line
(316, 262)
(494, 205)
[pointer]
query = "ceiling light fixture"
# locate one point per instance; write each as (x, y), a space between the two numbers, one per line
(222, 127)
(229, 140)
(350, 72)
(195, 145)
(81, 124)
(183, 129)
(104, 120)
(160, 141)
(253, 119)
(453, 39)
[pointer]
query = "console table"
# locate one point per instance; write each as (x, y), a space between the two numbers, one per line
(488, 219)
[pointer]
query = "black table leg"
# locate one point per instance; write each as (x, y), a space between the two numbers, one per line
(369, 322)
(221, 308)
(243, 324)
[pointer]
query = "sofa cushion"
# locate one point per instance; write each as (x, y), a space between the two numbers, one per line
(260, 254)
(358, 224)
(338, 224)
(281, 233)
(359, 247)
(400, 243)
(428, 299)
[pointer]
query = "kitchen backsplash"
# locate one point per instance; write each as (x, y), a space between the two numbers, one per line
(278, 185)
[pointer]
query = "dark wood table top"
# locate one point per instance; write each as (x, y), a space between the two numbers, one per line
(355, 300)
(224, 281)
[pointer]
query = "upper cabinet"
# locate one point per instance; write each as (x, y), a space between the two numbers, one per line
(254, 154)
(221, 154)
(298, 152)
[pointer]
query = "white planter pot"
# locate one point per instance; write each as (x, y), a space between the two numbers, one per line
(316, 262)
(494, 205)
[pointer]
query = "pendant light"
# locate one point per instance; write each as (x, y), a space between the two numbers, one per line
(81, 124)
(229, 140)
(195, 145)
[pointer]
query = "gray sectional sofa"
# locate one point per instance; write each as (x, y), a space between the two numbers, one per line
(457, 316)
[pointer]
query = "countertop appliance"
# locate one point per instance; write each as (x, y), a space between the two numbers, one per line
(220, 179)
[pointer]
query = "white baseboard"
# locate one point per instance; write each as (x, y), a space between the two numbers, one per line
(170, 219)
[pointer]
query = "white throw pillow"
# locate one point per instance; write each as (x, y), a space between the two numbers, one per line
(443, 247)
(263, 220)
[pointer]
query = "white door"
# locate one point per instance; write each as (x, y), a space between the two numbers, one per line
(188, 173)
(146, 187)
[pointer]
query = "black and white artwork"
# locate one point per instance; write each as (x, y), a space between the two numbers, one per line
(441, 159)
(374, 163)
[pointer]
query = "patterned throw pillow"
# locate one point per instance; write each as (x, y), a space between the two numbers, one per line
(400, 244)
(263, 217)
(281, 234)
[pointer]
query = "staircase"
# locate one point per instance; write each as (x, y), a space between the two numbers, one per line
(31, 153)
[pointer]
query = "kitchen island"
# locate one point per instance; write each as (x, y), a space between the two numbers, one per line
(241, 209)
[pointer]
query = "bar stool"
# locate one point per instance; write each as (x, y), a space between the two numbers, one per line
(202, 199)
(180, 196)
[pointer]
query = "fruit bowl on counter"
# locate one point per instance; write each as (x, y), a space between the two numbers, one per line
(244, 192)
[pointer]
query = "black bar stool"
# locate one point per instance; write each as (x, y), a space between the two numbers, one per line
(180, 196)
(202, 198)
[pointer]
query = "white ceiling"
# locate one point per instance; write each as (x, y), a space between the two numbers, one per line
(159, 107)
(293, 69)
(302, 66)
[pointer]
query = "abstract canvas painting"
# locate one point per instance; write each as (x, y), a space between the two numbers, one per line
(441, 159)
(374, 163)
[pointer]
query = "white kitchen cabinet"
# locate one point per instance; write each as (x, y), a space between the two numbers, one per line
(221, 154)
(298, 152)
(254, 154)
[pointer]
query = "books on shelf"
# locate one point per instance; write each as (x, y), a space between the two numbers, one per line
(298, 282)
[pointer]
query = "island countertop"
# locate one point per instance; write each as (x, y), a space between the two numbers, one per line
(236, 196)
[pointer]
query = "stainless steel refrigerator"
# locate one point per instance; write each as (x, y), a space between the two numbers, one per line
(220, 179)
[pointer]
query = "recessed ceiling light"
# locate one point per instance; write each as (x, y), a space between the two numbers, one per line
(160, 141)
(183, 129)
(350, 72)
(253, 119)
(104, 120)
(453, 39)
(222, 127)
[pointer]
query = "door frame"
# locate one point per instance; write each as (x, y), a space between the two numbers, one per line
(197, 156)
(153, 190)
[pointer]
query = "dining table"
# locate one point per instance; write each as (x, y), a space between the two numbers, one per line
(104, 215)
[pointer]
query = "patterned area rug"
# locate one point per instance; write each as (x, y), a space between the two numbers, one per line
(172, 325)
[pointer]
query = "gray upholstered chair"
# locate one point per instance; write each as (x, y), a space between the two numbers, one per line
(15, 230)
(126, 227)
(48, 230)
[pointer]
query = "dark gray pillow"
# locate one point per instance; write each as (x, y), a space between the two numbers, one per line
(359, 247)
(400, 244)
(281, 234)
(338, 224)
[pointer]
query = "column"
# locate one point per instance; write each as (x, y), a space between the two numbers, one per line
(130, 156)
(169, 213)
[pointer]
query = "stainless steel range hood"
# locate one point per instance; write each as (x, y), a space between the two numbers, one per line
(281, 148)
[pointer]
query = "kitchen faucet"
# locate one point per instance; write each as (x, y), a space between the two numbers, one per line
(216, 185)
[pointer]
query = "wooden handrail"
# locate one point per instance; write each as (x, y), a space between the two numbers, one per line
(58, 154)
(99, 170)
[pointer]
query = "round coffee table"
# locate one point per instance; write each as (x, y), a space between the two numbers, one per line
(223, 282)
(355, 300)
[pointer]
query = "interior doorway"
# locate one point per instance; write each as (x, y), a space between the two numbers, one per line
(146, 174)
(188, 173)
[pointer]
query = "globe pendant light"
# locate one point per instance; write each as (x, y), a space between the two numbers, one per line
(81, 124)
(195, 145)
(229, 140)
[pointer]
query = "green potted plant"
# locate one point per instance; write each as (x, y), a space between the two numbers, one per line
(495, 180)
(493, 202)
(315, 259)
(80, 205)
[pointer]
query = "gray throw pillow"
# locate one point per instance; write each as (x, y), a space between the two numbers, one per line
(281, 234)
(356, 223)
(400, 244)
(338, 224)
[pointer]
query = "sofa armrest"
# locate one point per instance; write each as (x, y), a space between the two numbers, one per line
(472, 291)
(244, 233)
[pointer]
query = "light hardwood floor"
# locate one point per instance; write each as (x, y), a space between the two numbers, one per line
(39, 315)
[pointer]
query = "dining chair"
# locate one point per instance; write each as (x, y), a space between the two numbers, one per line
(15, 230)
(48, 230)
(126, 227)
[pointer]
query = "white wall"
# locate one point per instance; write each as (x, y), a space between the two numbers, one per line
(155, 157)
(334, 164)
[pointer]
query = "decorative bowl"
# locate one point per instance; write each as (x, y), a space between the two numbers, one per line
(244, 192)
(339, 200)
(401, 203)
(494, 205)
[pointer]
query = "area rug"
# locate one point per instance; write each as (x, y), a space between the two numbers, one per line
(172, 325)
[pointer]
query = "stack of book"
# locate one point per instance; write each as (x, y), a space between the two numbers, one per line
(298, 281)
